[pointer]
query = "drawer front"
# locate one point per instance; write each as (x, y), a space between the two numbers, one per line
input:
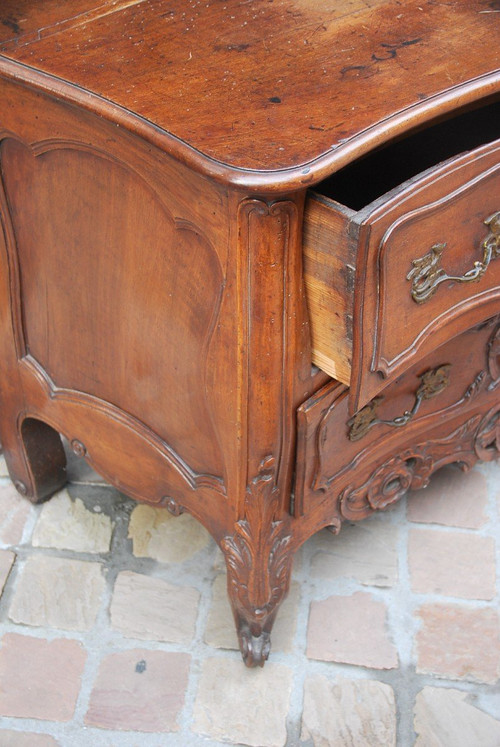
(457, 383)
(427, 268)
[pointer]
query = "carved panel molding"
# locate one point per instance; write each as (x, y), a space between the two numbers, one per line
(478, 438)
(53, 400)
(485, 381)
(272, 306)
(431, 328)
(71, 380)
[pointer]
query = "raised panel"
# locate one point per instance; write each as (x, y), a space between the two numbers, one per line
(457, 224)
(113, 287)
(449, 206)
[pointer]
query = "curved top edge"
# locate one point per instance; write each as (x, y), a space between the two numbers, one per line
(278, 181)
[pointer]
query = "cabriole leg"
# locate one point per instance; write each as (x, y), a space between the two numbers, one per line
(259, 562)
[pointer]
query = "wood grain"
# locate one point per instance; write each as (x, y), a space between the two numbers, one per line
(329, 267)
(157, 244)
(329, 463)
(280, 76)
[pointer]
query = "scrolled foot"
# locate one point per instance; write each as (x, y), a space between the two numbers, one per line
(254, 649)
(259, 562)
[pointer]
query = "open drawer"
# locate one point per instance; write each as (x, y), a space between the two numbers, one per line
(389, 278)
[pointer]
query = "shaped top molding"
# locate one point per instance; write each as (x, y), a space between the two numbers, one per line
(265, 94)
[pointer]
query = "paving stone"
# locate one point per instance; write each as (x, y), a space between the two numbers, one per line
(139, 690)
(243, 706)
(220, 631)
(219, 563)
(366, 552)
(6, 561)
(68, 525)
(348, 713)
(455, 564)
(58, 593)
(151, 609)
(43, 677)
(351, 630)
(453, 498)
(14, 512)
(444, 718)
(9, 738)
(4, 472)
(458, 642)
(156, 534)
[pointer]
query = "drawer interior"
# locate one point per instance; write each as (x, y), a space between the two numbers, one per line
(337, 206)
(395, 163)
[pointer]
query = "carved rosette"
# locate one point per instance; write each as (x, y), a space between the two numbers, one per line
(259, 561)
(412, 468)
(393, 479)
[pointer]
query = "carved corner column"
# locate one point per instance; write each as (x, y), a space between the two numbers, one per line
(274, 372)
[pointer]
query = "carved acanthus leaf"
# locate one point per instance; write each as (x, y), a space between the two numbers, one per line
(257, 555)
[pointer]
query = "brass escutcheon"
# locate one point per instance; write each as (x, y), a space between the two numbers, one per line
(432, 383)
(427, 274)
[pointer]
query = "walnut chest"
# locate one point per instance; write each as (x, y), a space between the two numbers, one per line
(250, 260)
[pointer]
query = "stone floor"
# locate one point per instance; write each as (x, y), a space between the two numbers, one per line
(116, 631)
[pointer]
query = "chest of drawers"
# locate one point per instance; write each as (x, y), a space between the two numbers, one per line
(249, 260)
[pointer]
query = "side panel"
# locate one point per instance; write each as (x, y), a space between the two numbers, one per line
(116, 262)
(119, 296)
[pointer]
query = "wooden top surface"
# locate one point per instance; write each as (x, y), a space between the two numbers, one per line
(251, 88)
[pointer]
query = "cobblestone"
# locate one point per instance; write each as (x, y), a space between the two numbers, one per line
(58, 592)
(66, 524)
(352, 630)
(444, 718)
(14, 513)
(9, 738)
(241, 706)
(152, 609)
(139, 690)
(390, 632)
(156, 534)
(447, 500)
(455, 564)
(6, 561)
(459, 643)
(40, 679)
(366, 552)
(350, 713)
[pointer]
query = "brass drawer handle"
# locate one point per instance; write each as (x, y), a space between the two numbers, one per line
(432, 382)
(426, 274)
